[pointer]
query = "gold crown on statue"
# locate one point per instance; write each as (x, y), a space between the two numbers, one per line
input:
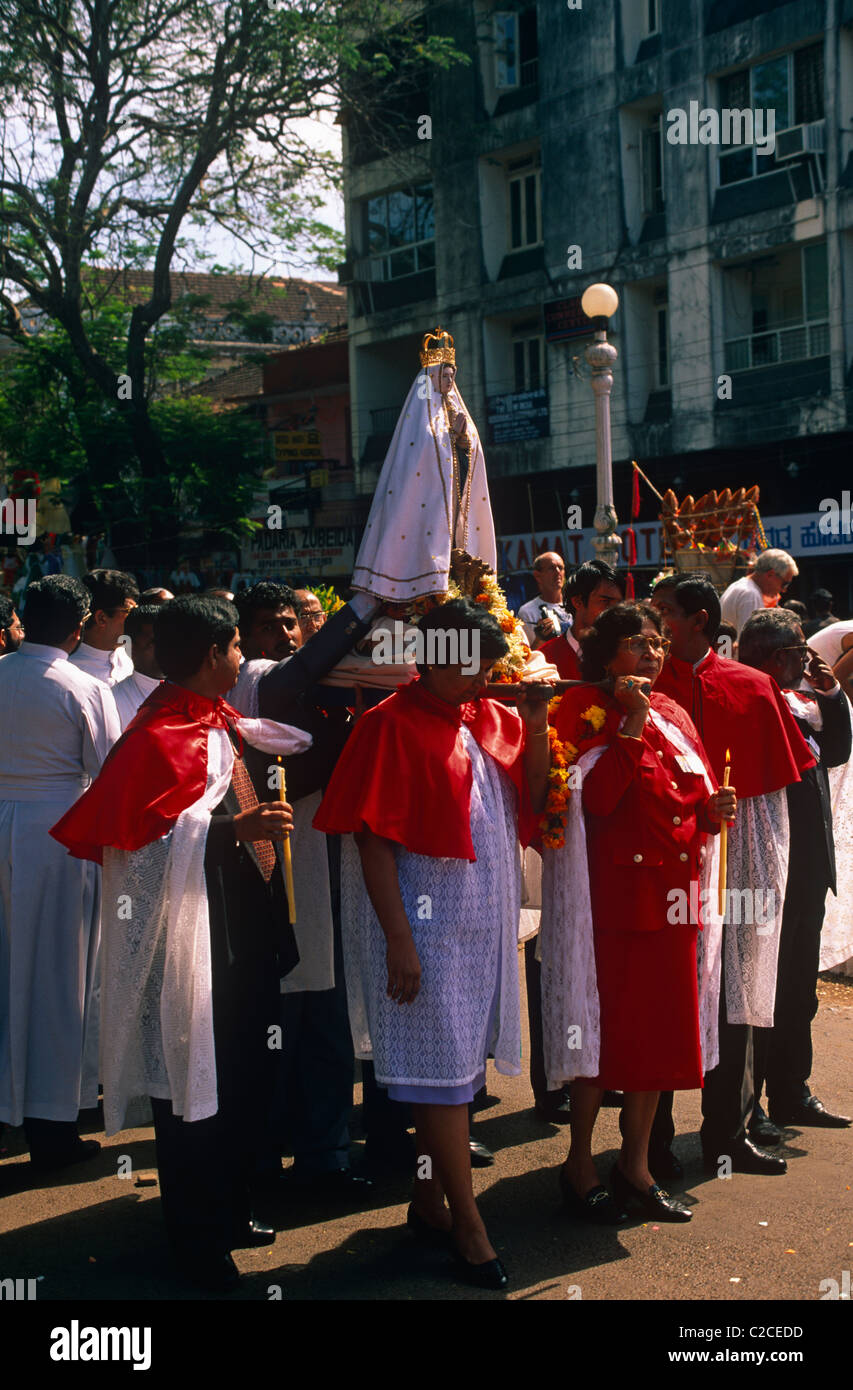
(432, 357)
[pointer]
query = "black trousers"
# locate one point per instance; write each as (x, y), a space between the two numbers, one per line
(314, 1097)
(783, 1053)
(729, 1093)
(533, 976)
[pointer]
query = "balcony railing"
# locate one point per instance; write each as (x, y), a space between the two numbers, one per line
(384, 420)
(792, 344)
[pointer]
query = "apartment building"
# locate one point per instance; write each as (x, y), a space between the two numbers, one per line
(595, 141)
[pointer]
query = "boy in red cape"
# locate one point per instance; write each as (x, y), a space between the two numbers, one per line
(195, 932)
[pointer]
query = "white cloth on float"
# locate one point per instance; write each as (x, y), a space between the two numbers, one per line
(567, 944)
(157, 1005)
(59, 725)
(314, 926)
(410, 532)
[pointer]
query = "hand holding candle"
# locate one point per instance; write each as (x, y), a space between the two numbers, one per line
(288, 860)
(724, 842)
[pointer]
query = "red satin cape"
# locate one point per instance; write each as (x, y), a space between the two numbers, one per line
(405, 775)
(736, 707)
(157, 769)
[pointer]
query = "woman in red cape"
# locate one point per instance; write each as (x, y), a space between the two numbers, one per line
(648, 804)
(435, 784)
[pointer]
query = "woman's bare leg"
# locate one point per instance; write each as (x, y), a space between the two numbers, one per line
(442, 1132)
(586, 1103)
(637, 1118)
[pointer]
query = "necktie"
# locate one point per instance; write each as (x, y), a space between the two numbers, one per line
(245, 793)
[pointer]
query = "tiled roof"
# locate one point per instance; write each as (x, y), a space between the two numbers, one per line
(286, 299)
(239, 384)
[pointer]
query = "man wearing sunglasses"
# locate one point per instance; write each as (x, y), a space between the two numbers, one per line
(774, 642)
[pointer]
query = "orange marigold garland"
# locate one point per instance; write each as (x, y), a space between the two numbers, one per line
(552, 822)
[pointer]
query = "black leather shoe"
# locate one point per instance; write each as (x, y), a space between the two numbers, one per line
(655, 1202)
(764, 1133)
(597, 1207)
(424, 1232)
(613, 1100)
(491, 1274)
(213, 1273)
(252, 1235)
(481, 1157)
(65, 1158)
(341, 1183)
(810, 1113)
(745, 1157)
(664, 1166)
(555, 1108)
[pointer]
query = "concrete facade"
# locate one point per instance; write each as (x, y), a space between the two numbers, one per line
(687, 247)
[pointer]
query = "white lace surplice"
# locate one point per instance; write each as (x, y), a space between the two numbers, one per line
(758, 862)
(440, 1039)
(836, 938)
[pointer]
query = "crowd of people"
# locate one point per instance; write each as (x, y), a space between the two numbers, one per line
(225, 875)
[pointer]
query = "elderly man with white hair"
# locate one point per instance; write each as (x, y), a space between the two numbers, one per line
(768, 579)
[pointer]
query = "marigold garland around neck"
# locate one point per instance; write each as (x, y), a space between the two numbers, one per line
(592, 723)
(473, 579)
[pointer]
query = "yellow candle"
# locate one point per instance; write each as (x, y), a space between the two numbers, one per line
(724, 842)
(288, 861)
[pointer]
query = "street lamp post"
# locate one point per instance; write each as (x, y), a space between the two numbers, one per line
(599, 302)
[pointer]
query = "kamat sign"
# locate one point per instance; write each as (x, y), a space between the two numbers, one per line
(319, 551)
(799, 534)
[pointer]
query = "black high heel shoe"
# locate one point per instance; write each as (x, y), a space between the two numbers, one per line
(424, 1232)
(491, 1274)
(655, 1202)
(597, 1207)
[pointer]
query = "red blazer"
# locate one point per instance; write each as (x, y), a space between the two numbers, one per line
(646, 826)
(564, 657)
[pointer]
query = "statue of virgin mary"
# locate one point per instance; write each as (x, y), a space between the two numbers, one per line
(432, 496)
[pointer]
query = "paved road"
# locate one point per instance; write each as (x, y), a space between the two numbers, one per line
(95, 1236)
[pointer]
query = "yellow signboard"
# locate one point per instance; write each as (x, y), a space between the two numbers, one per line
(318, 477)
(293, 445)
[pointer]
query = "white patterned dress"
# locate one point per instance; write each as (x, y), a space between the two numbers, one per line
(464, 920)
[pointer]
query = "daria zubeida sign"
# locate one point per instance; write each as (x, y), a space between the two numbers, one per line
(316, 550)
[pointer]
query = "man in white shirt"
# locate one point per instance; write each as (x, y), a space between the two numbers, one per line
(11, 628)
(545, 617)
(59, 724)
(770, 576)
(100, 654)
(146, 675)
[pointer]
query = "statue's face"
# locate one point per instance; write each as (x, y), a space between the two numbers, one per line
(446, 378)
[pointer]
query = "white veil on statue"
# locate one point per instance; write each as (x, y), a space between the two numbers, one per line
(421, 508)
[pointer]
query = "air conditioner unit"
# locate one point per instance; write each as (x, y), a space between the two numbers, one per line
(799, 140)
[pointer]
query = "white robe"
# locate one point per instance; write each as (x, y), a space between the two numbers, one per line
(464, 920)
(58, 725)
(109, 667)
(132, 692)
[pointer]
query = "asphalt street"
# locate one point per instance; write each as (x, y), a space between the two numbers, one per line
(90, 1234)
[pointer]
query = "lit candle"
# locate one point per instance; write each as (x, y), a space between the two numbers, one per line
(724, 843)
(288, 861)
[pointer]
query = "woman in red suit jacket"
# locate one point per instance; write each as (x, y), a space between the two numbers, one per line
(648, 810)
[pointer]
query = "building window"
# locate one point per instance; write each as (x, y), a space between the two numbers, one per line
(516, 49)
(782, 301)
(792, 85)
(525, 194)
(528, 359)
(662, 361)
(400, 232)
(652, 155)
(652, 16)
